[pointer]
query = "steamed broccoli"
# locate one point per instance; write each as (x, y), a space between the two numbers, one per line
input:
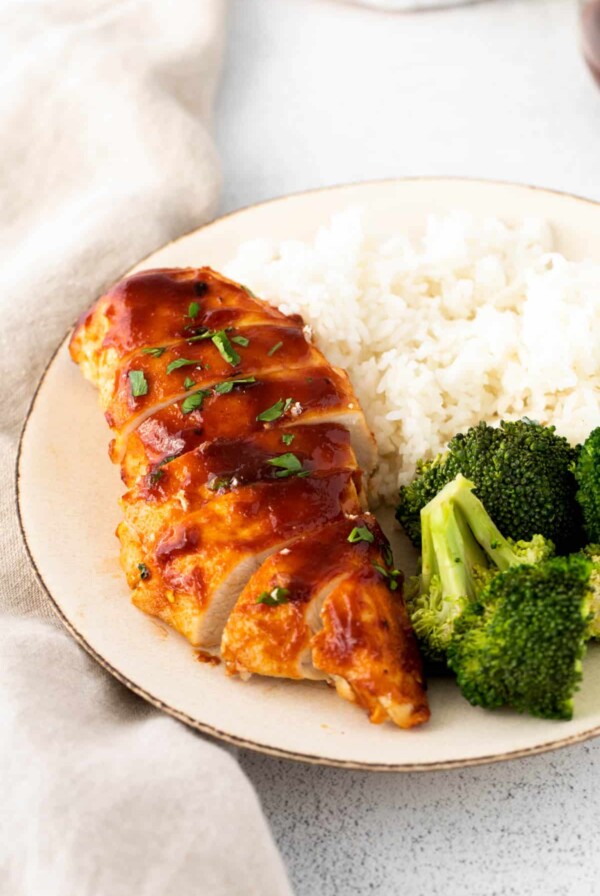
(462, 552)
(521, 643)
(522, 473)
(587, 474)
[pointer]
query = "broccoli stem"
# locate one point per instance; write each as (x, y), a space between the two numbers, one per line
(449, 550)
(481, 526)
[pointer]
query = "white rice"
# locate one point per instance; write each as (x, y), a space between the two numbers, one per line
(475, 321)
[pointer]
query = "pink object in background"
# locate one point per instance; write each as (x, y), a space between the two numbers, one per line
(590, 30)
(410, 5)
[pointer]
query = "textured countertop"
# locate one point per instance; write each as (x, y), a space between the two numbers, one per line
(318, 92)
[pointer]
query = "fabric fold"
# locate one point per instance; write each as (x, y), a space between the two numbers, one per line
(105, 120)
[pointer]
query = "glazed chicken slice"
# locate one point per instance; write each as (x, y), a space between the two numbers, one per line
(155, 309)
(191, 572)
(285, 398)
(241, 447)
(329, 606)
(178, 519)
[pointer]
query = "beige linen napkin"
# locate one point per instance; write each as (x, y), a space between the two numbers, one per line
(105, 154)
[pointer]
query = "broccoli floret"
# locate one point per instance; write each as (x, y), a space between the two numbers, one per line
(521, 643)
(462, 551)
(522, 473)
(587, 474)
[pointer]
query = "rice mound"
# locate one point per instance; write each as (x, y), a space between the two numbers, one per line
(477, 320)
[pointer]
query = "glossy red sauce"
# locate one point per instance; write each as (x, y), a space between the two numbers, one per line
(154, 306)
(246, 460)
(259, 515)
(325, 554)
(255, 358)
(170, 431)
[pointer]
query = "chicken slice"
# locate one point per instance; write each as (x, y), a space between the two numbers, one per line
(157, 308)
(282, 398)
(172, 490)
(330, 606)
(172, 372)
(191, 571)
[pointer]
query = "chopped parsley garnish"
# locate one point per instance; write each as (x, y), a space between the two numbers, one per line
(200, 287)
(155, 352)
(248, 290)
(138, 383)
(227, 386)
(188, 383)
(274, 598)
(194, 401)
(388, 556)
(276, 410)
(180, 362)
(289, 463)
(144, 571)
(193, 310)
(240, 340)
(227, 351)
(157, 473)
(361, 533)
(274, 348)
(203, 333)
(392, 575)
(287, 438)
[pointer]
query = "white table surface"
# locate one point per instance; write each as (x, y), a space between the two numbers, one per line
(318, 92)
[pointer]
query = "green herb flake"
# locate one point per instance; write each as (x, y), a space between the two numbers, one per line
(193, 310)
(188, 383)
(361, 533)
(180, 362)
(274, 348)
(289, 464)
(381, 569)
(138, 383)
(144, 571)
(287, 438)
(248, 290)
(276, 410)
(226, 387)
(240, 340)
(193, 402)
(226, 350)
(204, 333)
(157, 473)
(155, 352)
(274, 598)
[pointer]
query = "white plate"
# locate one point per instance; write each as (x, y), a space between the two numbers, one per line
(68, 494)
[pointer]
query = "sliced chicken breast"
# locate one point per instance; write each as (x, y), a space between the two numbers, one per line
(243, 452)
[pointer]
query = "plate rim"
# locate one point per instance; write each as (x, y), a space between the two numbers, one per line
(181, 716)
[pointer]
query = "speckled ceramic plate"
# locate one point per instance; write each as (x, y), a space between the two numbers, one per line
(74, 491)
